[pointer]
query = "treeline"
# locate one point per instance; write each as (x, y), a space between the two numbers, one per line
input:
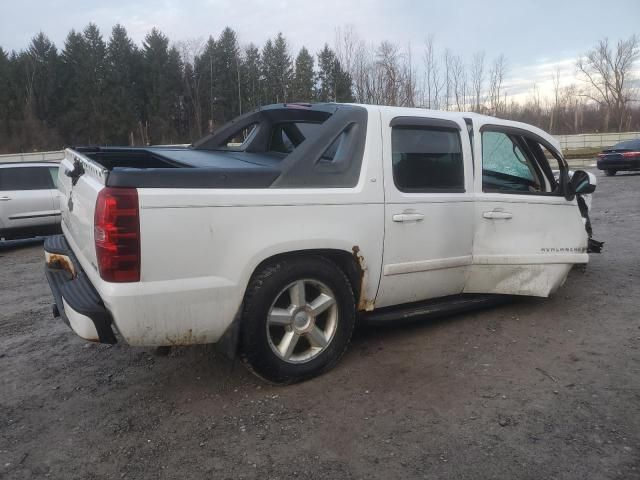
(114, 92)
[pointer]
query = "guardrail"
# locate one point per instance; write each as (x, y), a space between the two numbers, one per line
(55, 156)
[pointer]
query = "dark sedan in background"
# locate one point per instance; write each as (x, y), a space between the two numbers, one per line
(622, 156)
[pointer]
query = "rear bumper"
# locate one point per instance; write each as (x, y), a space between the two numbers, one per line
(76, 300)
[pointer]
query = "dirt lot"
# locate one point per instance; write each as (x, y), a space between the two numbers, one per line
(538, 388)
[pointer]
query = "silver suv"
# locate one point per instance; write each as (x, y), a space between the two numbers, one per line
(29, 203)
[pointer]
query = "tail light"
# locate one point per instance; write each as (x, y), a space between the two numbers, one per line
(631, 154)
(117, 234)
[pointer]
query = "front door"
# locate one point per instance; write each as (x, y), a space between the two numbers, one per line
(527, 234)
(428, 209)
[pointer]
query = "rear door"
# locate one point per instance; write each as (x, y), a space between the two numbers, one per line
(527, 234)
(26, 198)
(428, 208)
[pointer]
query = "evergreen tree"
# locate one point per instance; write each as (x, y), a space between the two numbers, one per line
(94, 85)
(277, 70)
(73, 102)
(42, 83)
(5, 98)
(303, 80)
(162, 87)
(191, 102)
(123, 88)
(269, 76)
(250, 78)
(204, 66)
(343, 84)
(175, 97)
(226, 77)
(334, 84)
(283, 66)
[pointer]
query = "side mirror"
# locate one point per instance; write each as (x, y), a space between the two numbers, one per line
(583, 182)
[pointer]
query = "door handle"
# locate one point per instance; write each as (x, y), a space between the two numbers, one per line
(497, 215)
(408, 217)
(5, 199)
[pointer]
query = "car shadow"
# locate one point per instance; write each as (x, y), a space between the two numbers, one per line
(622, 174)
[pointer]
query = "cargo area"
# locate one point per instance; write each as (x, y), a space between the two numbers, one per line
(111, 158)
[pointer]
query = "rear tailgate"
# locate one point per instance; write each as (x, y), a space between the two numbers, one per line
(79, 182)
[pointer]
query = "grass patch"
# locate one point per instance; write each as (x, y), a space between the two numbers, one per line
(588, 152)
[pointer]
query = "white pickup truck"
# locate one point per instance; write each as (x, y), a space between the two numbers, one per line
(276, 232)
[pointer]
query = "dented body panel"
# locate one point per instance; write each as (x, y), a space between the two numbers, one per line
(200, 246)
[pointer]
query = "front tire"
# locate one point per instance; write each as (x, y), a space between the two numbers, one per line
(610, 172)
(298, 318)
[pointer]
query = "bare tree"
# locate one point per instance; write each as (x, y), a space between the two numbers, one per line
(607, 71)
(460, 87)
(477, 80)
(447, 78)
(432, 82)
(408, 79)
(556, 98)
(496, 77)
(347, 44)
(387, 59)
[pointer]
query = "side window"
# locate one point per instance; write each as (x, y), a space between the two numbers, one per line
(333, 150)
(25, 178)
(53, 171)
(549, 165)
(238, 139)
(506, 167)
(427, 159)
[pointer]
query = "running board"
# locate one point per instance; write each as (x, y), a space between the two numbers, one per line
(434, 308)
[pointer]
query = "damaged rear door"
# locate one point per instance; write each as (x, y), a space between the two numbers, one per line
(528, 234)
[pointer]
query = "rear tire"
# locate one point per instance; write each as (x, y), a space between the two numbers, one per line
(610, 172)
(298, 318)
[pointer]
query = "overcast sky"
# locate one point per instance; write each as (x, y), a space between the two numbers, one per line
(533, 35)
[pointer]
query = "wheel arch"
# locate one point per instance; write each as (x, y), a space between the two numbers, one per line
(349, 262)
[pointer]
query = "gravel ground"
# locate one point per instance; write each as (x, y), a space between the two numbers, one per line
(538, 388)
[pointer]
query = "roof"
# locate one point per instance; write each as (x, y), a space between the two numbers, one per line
(461, 116)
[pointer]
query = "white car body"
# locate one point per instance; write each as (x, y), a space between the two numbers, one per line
(200, 246)
(29, 199)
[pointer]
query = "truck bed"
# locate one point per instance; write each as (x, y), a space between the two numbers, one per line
(183, 167)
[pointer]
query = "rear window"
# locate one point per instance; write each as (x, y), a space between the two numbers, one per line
(25, 178)
(627, 145)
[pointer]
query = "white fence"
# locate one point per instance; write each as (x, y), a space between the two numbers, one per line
(33, 157)
(594, 140)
